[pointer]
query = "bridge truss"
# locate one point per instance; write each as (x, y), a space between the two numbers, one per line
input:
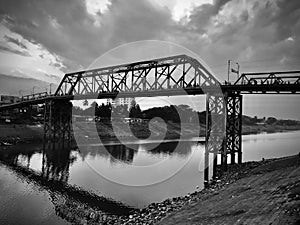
(176, 72)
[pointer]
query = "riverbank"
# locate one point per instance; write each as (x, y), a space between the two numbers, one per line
(268, 128)
(15, 133)
(257, 193)
(85, 131)
(264, 192)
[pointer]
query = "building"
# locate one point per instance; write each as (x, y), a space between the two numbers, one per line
(120, 101)
(8, 99)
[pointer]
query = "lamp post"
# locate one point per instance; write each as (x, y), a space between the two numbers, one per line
(50, 87)
(20, 92)
(228, 72)
(238, 70)
(33, 89)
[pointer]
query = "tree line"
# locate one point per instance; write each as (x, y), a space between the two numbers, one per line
(176, 114)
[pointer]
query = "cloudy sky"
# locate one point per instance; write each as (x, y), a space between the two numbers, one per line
(46, 38)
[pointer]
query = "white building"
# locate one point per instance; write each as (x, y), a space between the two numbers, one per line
(120, 101)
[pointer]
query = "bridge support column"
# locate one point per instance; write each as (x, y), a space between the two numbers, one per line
(233, 143)
(57, 120)
(215, 131)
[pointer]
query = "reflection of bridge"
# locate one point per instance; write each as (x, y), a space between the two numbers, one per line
(53, 177)
(169, 76)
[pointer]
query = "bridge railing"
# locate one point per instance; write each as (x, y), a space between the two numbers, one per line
(34, 96)
(269, 78)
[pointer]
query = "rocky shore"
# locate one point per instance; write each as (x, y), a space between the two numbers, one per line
(168, 211)
(155, 212)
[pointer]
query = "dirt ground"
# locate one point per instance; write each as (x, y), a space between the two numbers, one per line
(268, 194)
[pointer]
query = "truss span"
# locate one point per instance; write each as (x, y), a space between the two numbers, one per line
(175, 72)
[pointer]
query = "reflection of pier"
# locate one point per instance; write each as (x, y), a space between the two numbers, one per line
(53, 177)
(169, 76)
(56, 161)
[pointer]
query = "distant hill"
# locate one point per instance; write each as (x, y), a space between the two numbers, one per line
(11, 85)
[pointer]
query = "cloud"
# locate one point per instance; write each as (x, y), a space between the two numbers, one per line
(253, 32)
(15, 41)
(200, 17)
(75, 35)
(14, 51)
(66, 29)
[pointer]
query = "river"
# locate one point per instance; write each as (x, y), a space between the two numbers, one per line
(36, 184)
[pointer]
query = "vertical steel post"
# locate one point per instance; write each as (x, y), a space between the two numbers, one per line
(240, 129)
(234, 126)
(215, 131)
(206, 154)
(215, 162)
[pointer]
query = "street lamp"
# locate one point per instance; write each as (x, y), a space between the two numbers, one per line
(33, 89)
(50, 87)
(238, 70)
(228, 71)
(20, 92)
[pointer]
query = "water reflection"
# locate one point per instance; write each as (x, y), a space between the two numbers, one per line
(56, 161)
(115, 153)
(51, 173)
(65, 169)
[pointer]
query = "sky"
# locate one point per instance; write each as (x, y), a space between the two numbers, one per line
(46, 39)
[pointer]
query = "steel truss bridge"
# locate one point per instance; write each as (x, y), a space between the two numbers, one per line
(169, 76)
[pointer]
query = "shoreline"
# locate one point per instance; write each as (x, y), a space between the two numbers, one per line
(268, 192)
(22, 133)
(168, 211)
(180, 210)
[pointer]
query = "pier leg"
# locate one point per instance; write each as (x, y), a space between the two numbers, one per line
(234, 127)
(57, 120)
(232, 158)
(239, 157)
(215, 131)
(215, 162)
(224, 162)
(206, 169)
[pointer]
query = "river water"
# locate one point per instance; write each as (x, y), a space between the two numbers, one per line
(36, 183)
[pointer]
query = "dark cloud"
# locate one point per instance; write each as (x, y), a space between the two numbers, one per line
(15, 41)
(259, 32)
(241, 30)
(65, 28)
(14, 51)
(201, 15)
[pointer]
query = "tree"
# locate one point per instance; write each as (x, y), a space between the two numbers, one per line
(271, 120)
(94, 104)
(85, 102)
(135, 111)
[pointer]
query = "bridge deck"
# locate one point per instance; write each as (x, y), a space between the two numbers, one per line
(242, 89)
